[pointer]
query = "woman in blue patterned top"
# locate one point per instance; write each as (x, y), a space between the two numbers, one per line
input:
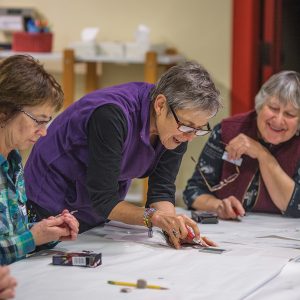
(29, 96)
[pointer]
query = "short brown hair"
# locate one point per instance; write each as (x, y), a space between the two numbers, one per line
(24, 82)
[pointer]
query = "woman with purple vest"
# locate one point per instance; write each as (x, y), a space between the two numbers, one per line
(100, 143)
(263, 147)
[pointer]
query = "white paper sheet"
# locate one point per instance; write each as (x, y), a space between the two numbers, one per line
(253, 265)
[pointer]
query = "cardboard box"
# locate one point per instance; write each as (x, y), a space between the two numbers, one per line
(82, 259)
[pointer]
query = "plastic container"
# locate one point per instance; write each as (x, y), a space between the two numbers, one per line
(32, 42)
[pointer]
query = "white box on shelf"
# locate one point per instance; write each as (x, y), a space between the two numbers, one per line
(85, 48)
(136, 50)
(113, 49)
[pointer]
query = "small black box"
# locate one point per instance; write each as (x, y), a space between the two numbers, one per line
(205, 217)
(82, 259)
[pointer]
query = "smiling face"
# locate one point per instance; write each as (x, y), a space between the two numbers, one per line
(22, 131)
(277, 123)
(166, 126)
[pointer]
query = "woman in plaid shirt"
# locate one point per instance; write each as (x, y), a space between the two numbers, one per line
(29, 96)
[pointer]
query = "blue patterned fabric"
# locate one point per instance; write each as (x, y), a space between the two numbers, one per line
(15, 238)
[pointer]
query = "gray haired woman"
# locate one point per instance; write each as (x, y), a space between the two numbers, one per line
(100, 143)
(260, 170)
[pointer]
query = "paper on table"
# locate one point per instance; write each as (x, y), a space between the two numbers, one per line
(293, 236)
(118, 231)
(232, 275)
(123, 232)
(256, 230)
(284, 286)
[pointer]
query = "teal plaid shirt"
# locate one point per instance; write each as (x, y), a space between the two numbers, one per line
(15, 238)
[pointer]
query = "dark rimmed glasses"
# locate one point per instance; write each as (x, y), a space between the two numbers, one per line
(222, 183)
(39, 123)
(188, 129)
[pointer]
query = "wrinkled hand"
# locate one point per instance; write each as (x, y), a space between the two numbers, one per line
(230, 208)
(71, 223)
(51, 229)
(7, 284)
(175, 226)
(242, 144)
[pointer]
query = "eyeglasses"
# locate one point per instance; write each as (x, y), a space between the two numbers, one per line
(39, 123)
(223, 183)
(188, 129)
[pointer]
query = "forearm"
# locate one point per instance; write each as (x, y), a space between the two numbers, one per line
(16, 247)
(127, 213)
(279, 185)
(206, 202)
(130, 214)
(164, 206)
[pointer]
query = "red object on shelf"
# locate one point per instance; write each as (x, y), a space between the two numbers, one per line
(32, 42)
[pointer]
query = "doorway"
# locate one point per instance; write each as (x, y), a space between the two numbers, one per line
(266, 40)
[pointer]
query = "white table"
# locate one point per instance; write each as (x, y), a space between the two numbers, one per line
(49, 56)
(255, 267)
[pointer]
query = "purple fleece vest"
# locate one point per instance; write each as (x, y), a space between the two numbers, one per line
(55, 172)
(287, 154)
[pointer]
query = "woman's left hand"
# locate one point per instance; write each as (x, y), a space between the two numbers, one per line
(242, 144)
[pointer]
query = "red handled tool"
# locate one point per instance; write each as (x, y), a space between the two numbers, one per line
(192, 238)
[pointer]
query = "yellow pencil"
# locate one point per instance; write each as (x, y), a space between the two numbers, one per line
(137, 285)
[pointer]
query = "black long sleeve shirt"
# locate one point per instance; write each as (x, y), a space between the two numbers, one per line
(107, 131)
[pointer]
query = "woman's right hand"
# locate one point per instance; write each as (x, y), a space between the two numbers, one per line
(176, 226)
(71, 223)
(51, 229)
(230, 208)
(7, 284)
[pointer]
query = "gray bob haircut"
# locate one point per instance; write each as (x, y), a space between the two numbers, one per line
(284, 86)
(188, 86)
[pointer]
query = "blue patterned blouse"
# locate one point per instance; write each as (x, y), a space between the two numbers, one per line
(16, 239)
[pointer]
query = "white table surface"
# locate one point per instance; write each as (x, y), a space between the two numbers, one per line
(257, 264)
(162, 59)
(49, 56)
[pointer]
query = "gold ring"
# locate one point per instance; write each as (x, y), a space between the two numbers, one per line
(175, 232)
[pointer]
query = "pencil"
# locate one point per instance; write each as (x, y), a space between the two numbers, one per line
(238, 216)
(71, 213)
(148, 286)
